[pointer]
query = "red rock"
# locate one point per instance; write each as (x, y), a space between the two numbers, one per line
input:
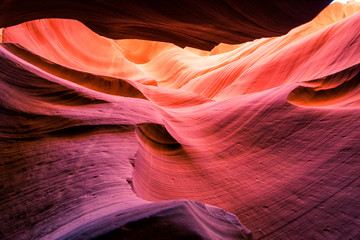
(125, 138)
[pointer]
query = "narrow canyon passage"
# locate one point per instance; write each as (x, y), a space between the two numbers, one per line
(179, 120)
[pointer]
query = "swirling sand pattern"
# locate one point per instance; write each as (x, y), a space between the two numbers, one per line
(105, 138)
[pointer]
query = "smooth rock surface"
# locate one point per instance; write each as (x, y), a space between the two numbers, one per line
(101, 137)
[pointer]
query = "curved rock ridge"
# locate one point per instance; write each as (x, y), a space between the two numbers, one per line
(45, 129)
(339, 89)
(224, 74)
(201, 24)
(136, 139)
(176, 219)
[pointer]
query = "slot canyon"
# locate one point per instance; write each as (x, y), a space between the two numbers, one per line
(179, 119)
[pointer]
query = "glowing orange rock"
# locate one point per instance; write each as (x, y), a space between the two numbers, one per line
(102, 137)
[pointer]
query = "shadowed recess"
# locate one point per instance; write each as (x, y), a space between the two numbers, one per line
(201, 24)
(339, 89)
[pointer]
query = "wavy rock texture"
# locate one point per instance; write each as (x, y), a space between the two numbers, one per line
(100, 138)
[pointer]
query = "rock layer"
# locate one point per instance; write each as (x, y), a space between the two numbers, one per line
(101, 137)
(202, 24)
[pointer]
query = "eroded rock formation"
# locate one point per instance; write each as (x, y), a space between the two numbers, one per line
(104, 137)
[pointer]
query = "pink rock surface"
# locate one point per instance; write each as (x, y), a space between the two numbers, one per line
(105, 138)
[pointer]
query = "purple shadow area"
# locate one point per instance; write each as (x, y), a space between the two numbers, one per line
(174, 219)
